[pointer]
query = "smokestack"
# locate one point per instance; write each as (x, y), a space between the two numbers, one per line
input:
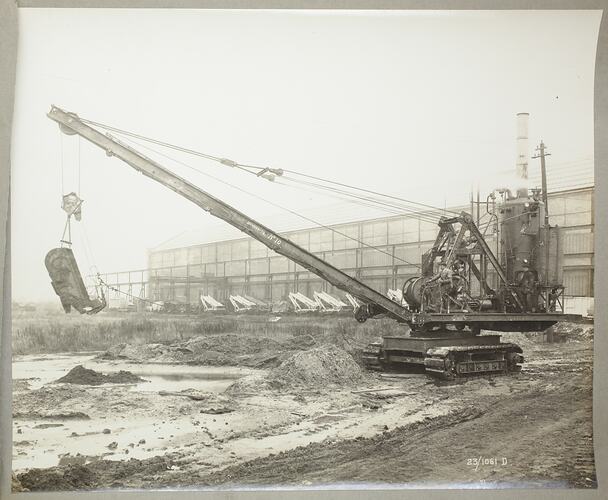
(522, 145)
(521, 167)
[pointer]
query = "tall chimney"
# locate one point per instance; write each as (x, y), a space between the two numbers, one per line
(522, 150)
(522, 145)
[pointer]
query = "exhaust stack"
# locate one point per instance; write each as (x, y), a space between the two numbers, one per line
(521, 168)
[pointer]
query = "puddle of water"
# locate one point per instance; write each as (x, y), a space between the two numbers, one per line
(176, 377)
(44, 369)
(42, 447)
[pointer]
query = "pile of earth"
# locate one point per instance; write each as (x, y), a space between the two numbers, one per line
(98, 474)
(20, 385)
(16, 486)
(562, 332)
(85, 376)
(326, 365)
(214, 350)
(574, 331)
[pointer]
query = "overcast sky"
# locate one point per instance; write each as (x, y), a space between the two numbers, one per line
(418, 105)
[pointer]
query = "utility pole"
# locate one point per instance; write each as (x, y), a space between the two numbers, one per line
(541, 149)
(543, 172)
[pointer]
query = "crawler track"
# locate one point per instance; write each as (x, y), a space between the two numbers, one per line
(450, 362)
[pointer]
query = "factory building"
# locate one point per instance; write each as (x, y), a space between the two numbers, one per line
(381, 252)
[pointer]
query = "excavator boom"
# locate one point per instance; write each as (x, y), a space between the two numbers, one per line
(71, 124)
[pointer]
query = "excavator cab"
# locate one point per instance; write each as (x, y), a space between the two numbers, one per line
(68, 284)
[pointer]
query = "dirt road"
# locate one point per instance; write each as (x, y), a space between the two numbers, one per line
(518, 439)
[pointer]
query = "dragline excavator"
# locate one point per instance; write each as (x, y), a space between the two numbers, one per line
(451, 301)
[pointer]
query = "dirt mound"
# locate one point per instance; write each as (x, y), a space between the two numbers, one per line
(16, 486)
(84, 376)
(134, 352)
(97, 474)
(574, 331)
(20, 385)
(318, 367)
(228, 349)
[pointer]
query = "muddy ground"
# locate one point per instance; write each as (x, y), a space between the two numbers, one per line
(308, 415)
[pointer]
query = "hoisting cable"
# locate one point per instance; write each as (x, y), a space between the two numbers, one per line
(347, 200)
(396, 209)
(368, 191)
(79, 168)
(249, 168)
(118, 290)
(61, 161)
(308, 219)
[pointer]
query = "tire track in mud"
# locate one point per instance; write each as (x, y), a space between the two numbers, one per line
(546, 438)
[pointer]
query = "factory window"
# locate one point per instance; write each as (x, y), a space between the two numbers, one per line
(179, 294)
(194, 295)
(577, 260)
(258, 266)
(167, 259)
(346, 237)
(375, 233)
(180, 272)
(280, 291)
(577, 241)
(300, 239)
(320, 240)
(557, 220)
(208, 253)
(342, 260)
(279, 265)
(239, 250)
(195, 270)
(372, 258)
(577, 219)
(156, 260)
(163, 272)
(258, 249)
(578, 283)
(428, 231)
(411, 254)
(396, 233)
(180, 256)
(557, 206)
(411, 230)
(235, 268)
(577, 203)
(166, 293)
(261, 292)
(224, 252)
(404, 230)
(194, 255)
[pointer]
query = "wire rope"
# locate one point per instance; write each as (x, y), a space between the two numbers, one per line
(308, 219)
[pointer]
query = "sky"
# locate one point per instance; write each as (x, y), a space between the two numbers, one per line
(419, 105)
